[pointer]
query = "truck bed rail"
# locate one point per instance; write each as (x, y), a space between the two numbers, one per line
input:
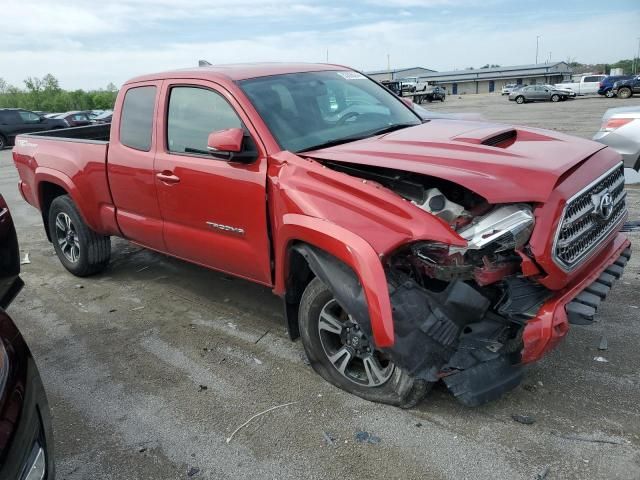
(89, 134)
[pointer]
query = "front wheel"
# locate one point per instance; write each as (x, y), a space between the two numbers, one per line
(3, 142)
(555, 98)
(520, 100)
(341, 353)
(80, 250)
(609, 94)
(624, 92)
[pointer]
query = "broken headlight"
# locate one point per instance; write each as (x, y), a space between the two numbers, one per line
(507, 227)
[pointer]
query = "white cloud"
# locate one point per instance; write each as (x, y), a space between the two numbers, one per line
(435, 43)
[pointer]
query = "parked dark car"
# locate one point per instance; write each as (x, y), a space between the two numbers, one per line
(14, 121)
(76, 119)
(26, 442)
(104, 117)
(436, 93)
(626, 88)
(606, 85)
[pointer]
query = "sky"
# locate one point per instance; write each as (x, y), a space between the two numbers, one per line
(87, 44)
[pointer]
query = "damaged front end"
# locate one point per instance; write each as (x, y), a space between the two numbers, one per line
(459, 313)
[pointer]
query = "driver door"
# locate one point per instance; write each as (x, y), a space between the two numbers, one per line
(214, 211)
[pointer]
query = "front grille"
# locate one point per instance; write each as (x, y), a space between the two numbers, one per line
(589, 217)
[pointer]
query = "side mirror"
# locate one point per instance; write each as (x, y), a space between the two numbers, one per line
(407, 101)
(230, 145)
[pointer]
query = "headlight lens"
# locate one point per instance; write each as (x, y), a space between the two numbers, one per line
(509, 226)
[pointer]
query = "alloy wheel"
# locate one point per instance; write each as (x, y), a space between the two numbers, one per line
(67, 237)
(349, 349)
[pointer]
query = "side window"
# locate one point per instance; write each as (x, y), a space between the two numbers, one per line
(591, 79)
(28, 117)
(136, 122)
(193, 114)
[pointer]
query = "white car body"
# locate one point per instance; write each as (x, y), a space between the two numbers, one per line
(507, 89)
(588, 85)
(413, 84)
(621, 131)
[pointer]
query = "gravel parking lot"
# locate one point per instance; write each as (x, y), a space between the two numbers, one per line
(150, 366)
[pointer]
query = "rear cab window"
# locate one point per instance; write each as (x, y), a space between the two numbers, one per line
(136, 121)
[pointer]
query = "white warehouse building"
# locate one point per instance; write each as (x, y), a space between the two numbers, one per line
(484, 80)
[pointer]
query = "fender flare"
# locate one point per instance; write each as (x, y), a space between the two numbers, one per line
(350, 249)
(45, 174)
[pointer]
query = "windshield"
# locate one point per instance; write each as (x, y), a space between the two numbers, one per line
(316, 109)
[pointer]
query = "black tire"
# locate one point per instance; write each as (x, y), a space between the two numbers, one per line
(399, 389)
(609, 94)
(520, 100)
(3, 142)
(92, 250)
(442, 99)
(555, 98)
(625, 92)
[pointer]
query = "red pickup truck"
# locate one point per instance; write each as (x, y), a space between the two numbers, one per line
(406, 251)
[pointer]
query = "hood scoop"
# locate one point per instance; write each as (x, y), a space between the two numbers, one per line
(490, 137)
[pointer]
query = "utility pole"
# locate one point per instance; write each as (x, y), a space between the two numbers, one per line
(549, 57)
(388, 63)
(537, 46)
(636, 60)
(327, 55)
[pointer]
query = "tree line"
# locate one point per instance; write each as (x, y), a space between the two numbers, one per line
(45, 94)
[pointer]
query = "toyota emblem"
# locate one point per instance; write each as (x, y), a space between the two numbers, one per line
(603, 203)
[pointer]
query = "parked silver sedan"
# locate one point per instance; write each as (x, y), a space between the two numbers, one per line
(539, 93)
(621, 131)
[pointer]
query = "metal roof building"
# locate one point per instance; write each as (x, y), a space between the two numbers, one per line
(487, 80)
(398, 73)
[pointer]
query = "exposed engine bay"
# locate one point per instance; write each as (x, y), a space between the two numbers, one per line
(459, 312)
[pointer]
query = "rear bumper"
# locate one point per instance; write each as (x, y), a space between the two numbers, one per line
(551, 324)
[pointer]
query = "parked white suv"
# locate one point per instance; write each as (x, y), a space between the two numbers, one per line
(507, 89)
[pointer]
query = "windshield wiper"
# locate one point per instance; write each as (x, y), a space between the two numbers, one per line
(393, 128)
(340, 141)
(334, 142)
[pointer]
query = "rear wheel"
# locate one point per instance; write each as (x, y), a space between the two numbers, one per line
(624, 92)
(520, 99)
(80, 250)
(555, 98)
(3, 142)
(342, 354)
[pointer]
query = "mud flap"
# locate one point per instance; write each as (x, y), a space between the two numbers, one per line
(485, 381)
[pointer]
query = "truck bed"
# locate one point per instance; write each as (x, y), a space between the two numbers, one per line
(74, 159)
(89, 134)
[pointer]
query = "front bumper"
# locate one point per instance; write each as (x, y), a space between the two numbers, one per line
(551, 324)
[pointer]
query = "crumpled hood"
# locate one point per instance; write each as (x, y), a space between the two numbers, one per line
(525, 169)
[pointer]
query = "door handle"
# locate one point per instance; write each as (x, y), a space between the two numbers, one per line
(167, 177)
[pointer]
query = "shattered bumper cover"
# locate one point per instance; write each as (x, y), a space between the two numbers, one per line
(571, 305)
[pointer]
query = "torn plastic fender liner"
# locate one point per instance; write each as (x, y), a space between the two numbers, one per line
(427, 325)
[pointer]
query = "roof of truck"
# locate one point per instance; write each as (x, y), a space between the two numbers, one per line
(238, 71)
